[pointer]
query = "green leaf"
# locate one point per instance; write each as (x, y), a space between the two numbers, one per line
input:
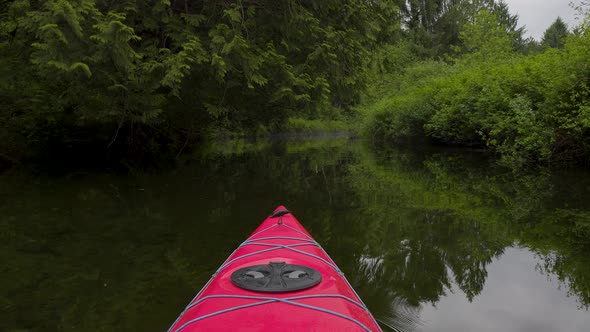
(82, 66)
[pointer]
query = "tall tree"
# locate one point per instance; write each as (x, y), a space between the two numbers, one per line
(435, 25)
(556, 34)
(510, 23)
(421, 13)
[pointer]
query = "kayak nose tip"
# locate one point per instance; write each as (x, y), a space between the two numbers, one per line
(279, 212)
(279, 208)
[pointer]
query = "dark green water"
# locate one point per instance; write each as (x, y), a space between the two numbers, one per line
(435, 240)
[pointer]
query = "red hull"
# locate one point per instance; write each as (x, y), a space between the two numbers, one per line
(331, 305)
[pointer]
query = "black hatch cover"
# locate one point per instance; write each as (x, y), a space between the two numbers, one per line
(276, 277)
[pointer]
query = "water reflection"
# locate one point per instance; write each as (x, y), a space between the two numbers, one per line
(453, 216)
(432, 240)
(514, 293)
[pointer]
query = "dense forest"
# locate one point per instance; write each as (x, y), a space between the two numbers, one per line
(147, 80)
(154, 76)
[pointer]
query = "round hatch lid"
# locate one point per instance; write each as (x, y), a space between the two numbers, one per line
(276, 277)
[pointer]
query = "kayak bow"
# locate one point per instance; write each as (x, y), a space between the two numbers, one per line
(279, 279)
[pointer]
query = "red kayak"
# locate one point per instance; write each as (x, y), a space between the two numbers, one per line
(279, 279)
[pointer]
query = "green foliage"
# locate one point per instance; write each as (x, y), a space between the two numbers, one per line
(408, 103)
(485, 36)
(306, 126)
(526, 108)
(181, 68)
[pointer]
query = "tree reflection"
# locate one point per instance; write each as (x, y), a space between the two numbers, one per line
(448, 219)
(407, 227)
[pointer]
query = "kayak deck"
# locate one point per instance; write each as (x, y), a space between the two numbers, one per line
(328, 303)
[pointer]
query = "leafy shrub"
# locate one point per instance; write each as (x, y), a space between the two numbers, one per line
(527, 108)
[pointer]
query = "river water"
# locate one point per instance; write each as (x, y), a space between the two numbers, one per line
(432, 239)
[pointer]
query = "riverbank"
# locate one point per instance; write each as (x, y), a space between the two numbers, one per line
(527, 108)
(71, 152)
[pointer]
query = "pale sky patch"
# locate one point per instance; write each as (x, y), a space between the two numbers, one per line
(538, 15)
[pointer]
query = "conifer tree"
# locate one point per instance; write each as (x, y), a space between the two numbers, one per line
(556, 34)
